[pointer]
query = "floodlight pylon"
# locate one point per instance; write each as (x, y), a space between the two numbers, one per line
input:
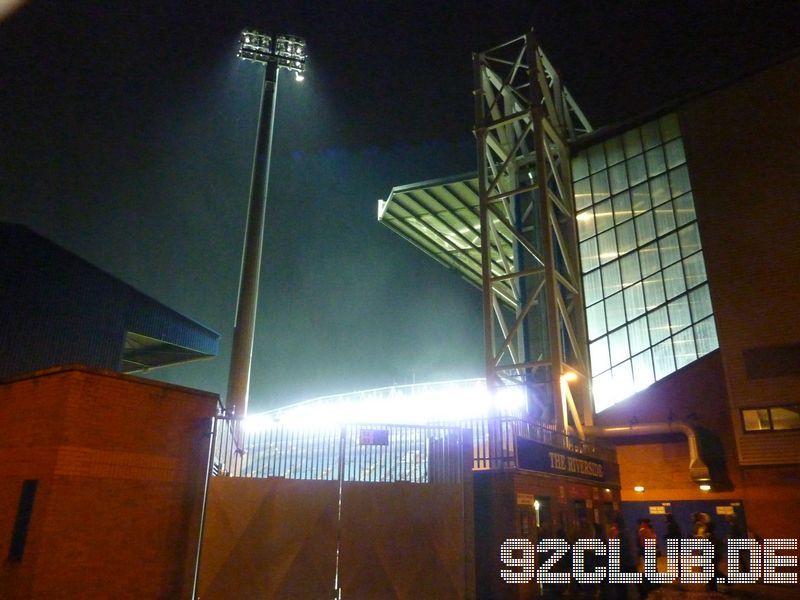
(525, 120)
(284, 52)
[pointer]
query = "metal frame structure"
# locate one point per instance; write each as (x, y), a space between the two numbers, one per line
(525, 120)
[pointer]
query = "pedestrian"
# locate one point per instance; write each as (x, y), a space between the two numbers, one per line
(700, 524)
(735, 529)
(645, 532)
(627, 555)
(719, 553)
(673, 529)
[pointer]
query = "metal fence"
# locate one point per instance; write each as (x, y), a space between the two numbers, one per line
(363, 452)
(380, 452)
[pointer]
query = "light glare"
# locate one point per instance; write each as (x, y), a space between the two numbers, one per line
(407, 405)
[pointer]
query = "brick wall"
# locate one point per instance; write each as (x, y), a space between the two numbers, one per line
(121, 464)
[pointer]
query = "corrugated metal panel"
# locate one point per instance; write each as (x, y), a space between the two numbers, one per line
(769, 448)
(57, 309)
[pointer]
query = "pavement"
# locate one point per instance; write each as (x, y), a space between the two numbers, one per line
(756, 591)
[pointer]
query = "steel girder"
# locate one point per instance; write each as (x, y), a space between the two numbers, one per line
(525, 119)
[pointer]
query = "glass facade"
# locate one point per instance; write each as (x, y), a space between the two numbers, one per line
(648, 306)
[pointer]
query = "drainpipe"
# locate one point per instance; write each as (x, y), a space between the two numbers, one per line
(698, 470)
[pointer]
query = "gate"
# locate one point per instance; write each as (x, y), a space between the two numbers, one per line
(356, 511)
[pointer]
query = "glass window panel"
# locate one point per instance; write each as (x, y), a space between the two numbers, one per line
(589, 256)
(675, 153)
(756, 419)
(668, 249)
(618, 177)
(583, 193)
(669, 126)
(629, 264)
(596, 320)
(654, 158)
(612, 283)
(663, 359)
(597, 158)
(603, 391)
(623, 380)
(603, 216)
(684, 209)
(785, 417)
(679, 181)
(634, 301)
(659, 189)
(665, 218)
(700, 303)
(648, 257)
(694, 269)
(618, 346)
(615, 311)
(651, 136)
(645, 229)
(598, 351)
(580, 166)
(592, 287)
(632, 143)
(600, 186)
(658, 323)
(690, 239)
(607, 244)
(622, 207)
(640, 199)
(683, 345)
(674, 283)
(705, 336)
(614, 153)
(643, 374)
(679, 316)
(654, 291)
(585, 221)
(636, 170)
(626, 238)
(638, 335)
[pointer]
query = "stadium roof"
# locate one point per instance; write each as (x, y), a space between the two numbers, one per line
(441, 218)
(57, 309)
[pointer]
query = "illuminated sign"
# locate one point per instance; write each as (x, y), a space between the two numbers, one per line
(549, 459)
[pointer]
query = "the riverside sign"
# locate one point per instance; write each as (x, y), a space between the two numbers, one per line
(535, 456)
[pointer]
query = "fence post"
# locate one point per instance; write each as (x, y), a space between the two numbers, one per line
(204, 505)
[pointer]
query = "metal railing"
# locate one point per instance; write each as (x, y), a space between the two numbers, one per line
(353, 452)
(381, 452)
(495, 442)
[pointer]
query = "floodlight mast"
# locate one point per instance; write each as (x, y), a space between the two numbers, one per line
(287, 52)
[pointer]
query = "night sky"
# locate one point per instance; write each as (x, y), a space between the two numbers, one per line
(127, 132)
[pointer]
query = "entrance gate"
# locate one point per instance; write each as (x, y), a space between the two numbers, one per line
(358, 511)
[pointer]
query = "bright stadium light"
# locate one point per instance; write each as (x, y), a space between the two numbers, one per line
(288, 51)
(421, 404)
(283, 52)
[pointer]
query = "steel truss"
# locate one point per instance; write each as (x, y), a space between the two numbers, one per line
(525, 119)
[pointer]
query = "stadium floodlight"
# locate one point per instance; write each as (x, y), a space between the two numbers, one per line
(255, 46)
(287, 51)
(283, 52)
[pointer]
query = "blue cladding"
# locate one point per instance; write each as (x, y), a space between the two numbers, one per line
(57, 309)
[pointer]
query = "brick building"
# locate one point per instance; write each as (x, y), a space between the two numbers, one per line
(102, 474)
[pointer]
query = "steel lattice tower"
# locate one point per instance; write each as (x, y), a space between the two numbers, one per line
(535, 331)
